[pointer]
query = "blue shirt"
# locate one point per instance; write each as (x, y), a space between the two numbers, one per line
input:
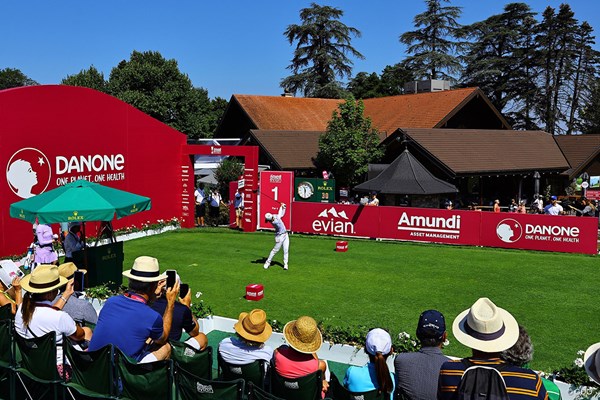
(127, 323)
(182, 317)
(239, 200)
(363, 379)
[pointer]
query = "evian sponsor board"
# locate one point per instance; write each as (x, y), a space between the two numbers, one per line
(540, 232)
(508, 230)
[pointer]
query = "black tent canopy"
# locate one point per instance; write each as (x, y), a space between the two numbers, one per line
(406, 175)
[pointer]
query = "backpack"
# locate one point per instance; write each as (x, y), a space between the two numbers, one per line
(481, 382)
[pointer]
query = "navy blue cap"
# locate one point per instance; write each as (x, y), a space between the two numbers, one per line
(432, 325)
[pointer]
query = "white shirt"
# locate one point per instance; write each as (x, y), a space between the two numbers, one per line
(554, 209)
(46, 319)
(199, 193)
(216, 200)
(234, 351)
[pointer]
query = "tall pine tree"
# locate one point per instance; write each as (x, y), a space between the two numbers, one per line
(434, 43)
(321, 55)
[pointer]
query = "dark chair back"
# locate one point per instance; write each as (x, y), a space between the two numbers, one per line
(93, 372)
(37, 370)
(306, 387)
(192, 387)
(256, 372)
(144, 381)
(197, 362)
(6, 312)
(337, 391)
(256, 393)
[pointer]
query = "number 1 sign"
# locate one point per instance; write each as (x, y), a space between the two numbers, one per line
(275, 187)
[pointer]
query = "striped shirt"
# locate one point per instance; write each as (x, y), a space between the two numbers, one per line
(521, 383)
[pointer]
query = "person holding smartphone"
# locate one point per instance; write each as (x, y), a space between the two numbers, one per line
(70, 299)
(183, 319)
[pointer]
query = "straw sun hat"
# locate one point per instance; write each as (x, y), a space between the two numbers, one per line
(253, 326)
(303, 335)
(486, 327)
(145, 269)
(43, 279)
(68, 269)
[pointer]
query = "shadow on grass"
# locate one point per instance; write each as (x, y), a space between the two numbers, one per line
(263, 260)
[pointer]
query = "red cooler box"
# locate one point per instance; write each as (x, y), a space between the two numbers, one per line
(341, 245)
(255, 292)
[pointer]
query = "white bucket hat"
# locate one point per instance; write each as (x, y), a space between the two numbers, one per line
(145, 269)
(591, 360)
(269, 217)
(485, 327)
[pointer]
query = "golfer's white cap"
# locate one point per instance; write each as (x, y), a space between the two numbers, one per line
(269, 217)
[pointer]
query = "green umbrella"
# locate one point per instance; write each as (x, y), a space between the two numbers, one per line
(79, 201)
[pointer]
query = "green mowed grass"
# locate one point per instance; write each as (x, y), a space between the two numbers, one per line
(388, 284)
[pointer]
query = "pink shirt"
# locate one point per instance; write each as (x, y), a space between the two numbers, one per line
(292, 364)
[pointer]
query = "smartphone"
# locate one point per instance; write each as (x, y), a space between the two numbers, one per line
(171, 277)
(79, 285)
(183, 290)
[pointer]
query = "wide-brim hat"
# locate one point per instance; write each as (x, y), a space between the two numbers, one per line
(486, 327)
(43, 279)
(145, 269)
(303, 335)
(591, 362)
(68, 269)
(253, 326)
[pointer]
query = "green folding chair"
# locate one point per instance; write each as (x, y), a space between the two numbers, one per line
(256, 393)
(337, 391)
(6, 312)
(37, 371)
(256, 372)
(144, 381)
(307, 387)
(197, 362)
(93, 372)
(192, 387)
(7, 360)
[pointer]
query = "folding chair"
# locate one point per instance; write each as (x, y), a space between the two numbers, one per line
(306, 387)
(256, 372)
(144, 381)
(37, 367)
(197, 362)
(6, 312)
(256, 393)
(93, 372)
(337, 391)
(191, 387)
(7, 360)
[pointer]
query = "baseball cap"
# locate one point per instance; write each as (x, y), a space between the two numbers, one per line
(552, 197)
(378, 341)
(432, 325)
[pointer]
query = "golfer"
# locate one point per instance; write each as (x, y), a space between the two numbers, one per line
(281, 236)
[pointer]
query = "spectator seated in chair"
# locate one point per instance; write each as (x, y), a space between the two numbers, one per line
(183, 319)
(248, 345)
(375, 374)
(37, 316)
(298, 358)
(128, 322)
(12, 295)
(78, 308)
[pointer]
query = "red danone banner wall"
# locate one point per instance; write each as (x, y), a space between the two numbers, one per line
(53, 135)
(508, 230)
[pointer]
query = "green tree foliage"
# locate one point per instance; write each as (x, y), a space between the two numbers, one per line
(11, 77)
(90, 78)
(228, 170)
(218, 105)
(499, 60)
(434, 43)
(155, 85)
(590, 115)
(349, 144)
(321, 55)
(390, 83)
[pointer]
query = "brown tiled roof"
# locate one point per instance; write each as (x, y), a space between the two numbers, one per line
(422, 110)
(579, 150)
(289, 149)
(478, 151)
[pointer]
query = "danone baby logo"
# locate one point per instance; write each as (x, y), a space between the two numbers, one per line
(28, 172)
(509, 230)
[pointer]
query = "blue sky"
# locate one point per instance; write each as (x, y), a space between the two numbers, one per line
(224, 46)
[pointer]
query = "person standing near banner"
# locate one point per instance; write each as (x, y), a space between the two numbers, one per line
(281, 236)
